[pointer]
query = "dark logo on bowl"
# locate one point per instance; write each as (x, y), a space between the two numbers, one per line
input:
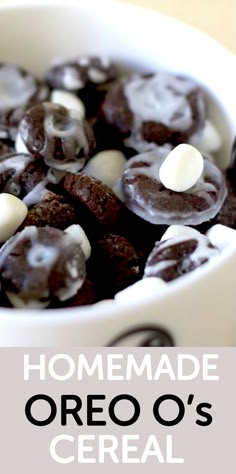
(143, 336)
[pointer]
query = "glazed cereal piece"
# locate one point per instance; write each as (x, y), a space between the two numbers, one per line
(35, 172)
(116, 265)
(74, 75)
(103, 206)
(174, 257)
(19, 90)
(154, 109)
(54, 210)
(13, 168)
(57, 135)
(146, 196)
(24, 177)
(38, 264)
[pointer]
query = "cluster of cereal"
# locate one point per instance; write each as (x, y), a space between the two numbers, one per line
(100, 177)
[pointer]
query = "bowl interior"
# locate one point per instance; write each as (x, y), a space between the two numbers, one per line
(34, 34)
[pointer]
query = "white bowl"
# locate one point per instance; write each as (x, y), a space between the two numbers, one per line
(199, 309)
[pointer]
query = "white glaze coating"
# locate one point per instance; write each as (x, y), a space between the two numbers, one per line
(71, 79)
(17, 164)
(42, 256)
(20, 146)
(77, 232)
(68, 100)
(160, 98)
(70, 289)
(37, 194)
(15, 90)
(73, 136)
(201, 252)
(30, 233)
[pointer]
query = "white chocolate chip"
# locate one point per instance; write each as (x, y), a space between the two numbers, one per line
(182, 168)
(76, 231)
(13, 212)
(208, 139)
(20, 146)
(221, 236)
(174, 231)
(18, 302)
(68, 100)
(141, 290)
(106, 166)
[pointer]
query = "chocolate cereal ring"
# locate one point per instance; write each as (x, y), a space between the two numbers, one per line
(41, 263)
(146, 196)
(57, 135)
(176, 256)
(151, 110)
(74, 75)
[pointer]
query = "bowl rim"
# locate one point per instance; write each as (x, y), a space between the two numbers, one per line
(183, 284)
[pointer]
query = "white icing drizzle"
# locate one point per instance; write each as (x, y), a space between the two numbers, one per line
(53, 130)
(15, 89)
(141, 206)
(30, 232)
(72, 134)
(69, 290)
(158, 267)
(160, 98)
(37, 194)
(17, 163)
(136, 141)
(202, 252)
(42, 255)
(71, 79)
